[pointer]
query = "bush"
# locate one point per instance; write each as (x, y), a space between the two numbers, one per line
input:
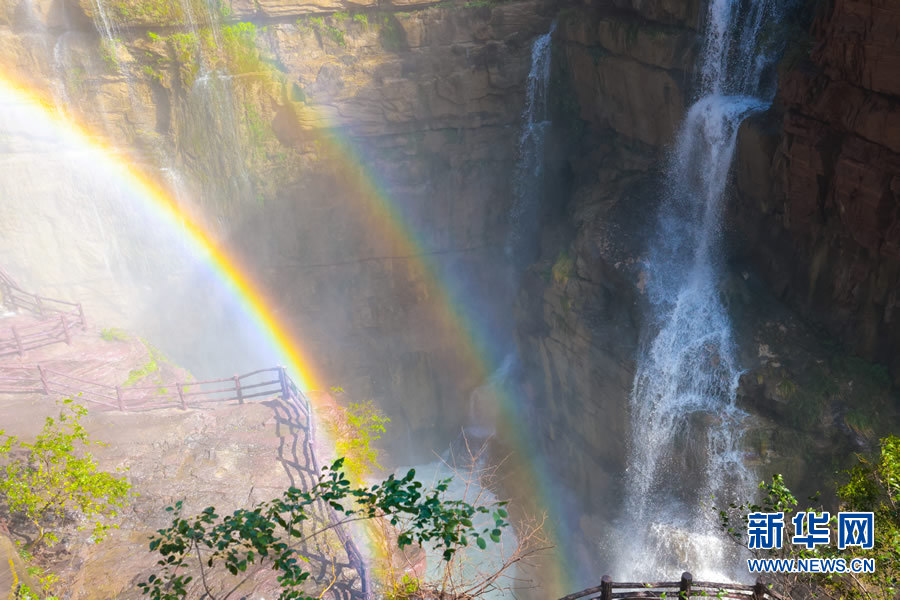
(873, 485)
(270, 534)
(58, 475)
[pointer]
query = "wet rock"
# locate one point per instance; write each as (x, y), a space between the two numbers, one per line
(818, 181)
(625, 69)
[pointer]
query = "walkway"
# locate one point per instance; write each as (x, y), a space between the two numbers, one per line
(56, 321)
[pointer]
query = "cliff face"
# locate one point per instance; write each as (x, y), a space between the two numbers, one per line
(818, 180)
(273, 154)
(811, 220)
(225, 455)
(620, 85)
(431, 97)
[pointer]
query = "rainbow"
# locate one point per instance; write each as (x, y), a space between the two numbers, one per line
(471, 339)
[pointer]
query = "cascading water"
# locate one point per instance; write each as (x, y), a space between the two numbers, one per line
(685, 424)
(530, 165)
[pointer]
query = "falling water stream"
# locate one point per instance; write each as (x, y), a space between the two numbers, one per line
(527, 178)
(685, 424)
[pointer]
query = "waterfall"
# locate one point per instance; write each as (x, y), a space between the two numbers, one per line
(685, 425)
(528, 174)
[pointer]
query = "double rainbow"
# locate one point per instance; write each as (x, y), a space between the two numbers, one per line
(471, 339)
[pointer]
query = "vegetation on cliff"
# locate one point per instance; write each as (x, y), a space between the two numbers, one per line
(55, 477)
(268, 534)
(872, 485)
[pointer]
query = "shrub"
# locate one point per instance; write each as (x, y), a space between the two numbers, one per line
(113, 334)
(270, 534)
(58, 475)
(873, 485)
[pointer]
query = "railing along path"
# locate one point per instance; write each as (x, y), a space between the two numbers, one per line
(672, 590)
(263, 383)
(57, 319)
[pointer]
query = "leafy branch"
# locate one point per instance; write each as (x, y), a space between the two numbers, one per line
(57, 474)
(269, 534)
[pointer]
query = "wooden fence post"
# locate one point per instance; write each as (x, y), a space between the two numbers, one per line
(39, 304)
(237, 387)
(43, 380)
(759, 589)
(119, 398)
(606, 588)
(65, 326)
(83, 320)
(181, 395)
(18, 342)
(282, 378)
(684, 589)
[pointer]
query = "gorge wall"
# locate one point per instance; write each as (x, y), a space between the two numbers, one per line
(331, 119)
(810, 229)
(429, 96)
(818, 179)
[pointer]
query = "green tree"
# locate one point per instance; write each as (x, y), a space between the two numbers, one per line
(873, 485)
(271, 534)
(56, 474)
(357, 427)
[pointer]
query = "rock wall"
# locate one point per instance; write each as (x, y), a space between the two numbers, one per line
(622, 83)
(621, 78)
(818, 179)
(273, 154)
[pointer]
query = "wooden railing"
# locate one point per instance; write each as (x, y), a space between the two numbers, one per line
(672, 590)
(266, 383)
(58, 319)
(37, 379)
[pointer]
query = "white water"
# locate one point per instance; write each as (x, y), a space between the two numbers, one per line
(528, 175)
(685, 424)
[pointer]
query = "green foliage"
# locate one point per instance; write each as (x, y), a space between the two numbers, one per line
(109, 53)
(405, 589)
(356, 428)
(153, 37)
(44, 578)
(148, 368)
(241, 53)
(868, 378)
(113, 334)
(366, 426)
(158, 11)
(259, 133)
(57, 475)
(861, 422)
(362, 19)
(872, 485)
(184, 49)
(563, 268)
(336, 35)
(152, 73)
(392, 35)
(270, 534)
(324, 29)
(786, 389)
(23, 592)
